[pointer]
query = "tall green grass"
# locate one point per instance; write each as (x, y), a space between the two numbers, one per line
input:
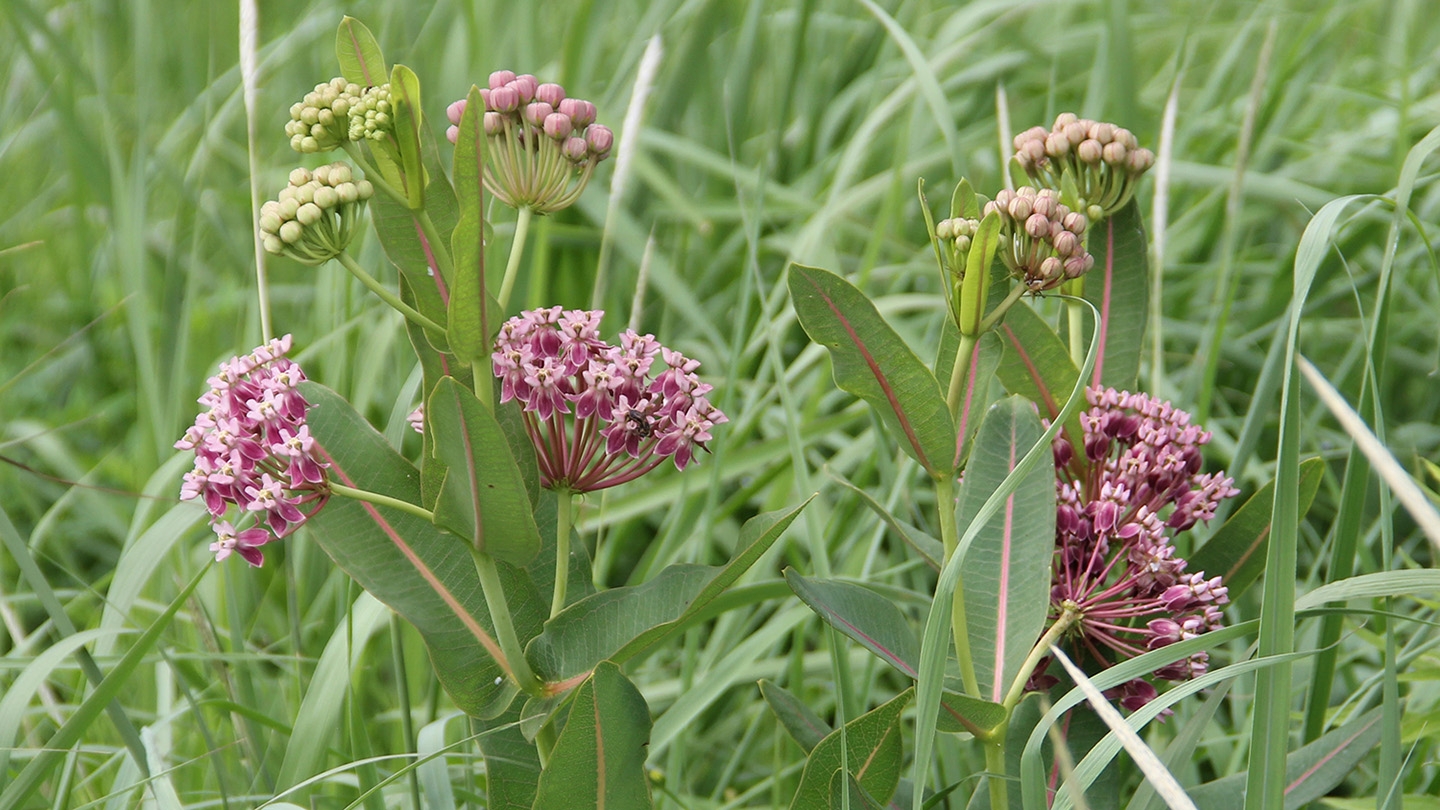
(775, 132)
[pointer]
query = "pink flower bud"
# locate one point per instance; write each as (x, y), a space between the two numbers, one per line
(550, 93)
(494, 123)
(500, 78)
(1075, 222)
(580, 111)
(1102, 132)
(452, 133)
(1037, 225)
(1057, 145)
(525, 85)
(1075, 132)
(505, 99)
(455, 111)
(1064, 119)
(1139, 161)
(1090, 151)
(536, 113)
(1047, 204)
(557, 126)
(1050, 269)
(600, 139)
(1066, 243)
(1034, 151)
(1021, 208)
(576, 150)
(1114, 153)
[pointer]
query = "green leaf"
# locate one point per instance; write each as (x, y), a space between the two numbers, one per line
(359, 54)
(404, 240)
(484, 498)
(470, 316)
(960, 712)
(1037, 366)
(422, 573)
(405, 105)
(1236, 552)
(863, 615)
(1310, 772)
(599, 759)
(873, 363)
(872, 755)
(622, 622)
(803, 725)
(1119, 286)
(512, 764)
(1007, 573)
(858, 799)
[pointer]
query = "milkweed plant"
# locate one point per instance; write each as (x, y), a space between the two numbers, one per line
(1062, 508)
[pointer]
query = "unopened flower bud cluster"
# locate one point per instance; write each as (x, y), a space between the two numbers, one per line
(542, 145)
(1105, 161)
(316, 215)
(1115, 565)
(1044, 242)
(338, 111)
(255, 461)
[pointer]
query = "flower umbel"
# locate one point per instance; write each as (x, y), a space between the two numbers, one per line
(314, 218)
(1041, 240)
(254, 454)
(1104, 161)
(598, 414)
(1114, 564)
(321, 121)
(541, 146)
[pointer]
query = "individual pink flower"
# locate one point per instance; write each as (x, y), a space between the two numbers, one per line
(254, 455)
(594, 412)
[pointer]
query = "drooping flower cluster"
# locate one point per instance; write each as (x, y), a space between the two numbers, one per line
(1041, 237)
(316, 215)
(600, 415)
(256, 466)
(541, 146)
(1114, 563)
(1105, 161)
(338, 111)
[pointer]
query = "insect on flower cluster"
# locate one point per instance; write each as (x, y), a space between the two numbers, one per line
(598, 414)
(253, 453)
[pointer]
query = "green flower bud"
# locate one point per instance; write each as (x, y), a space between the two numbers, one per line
(315, 217)
(325, 197)
(291, 232)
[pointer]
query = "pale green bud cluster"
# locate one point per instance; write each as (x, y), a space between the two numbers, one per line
(314, 218)
(321, 121)
(1103, 161)
(1042, 241)
(967, 301)
(372, 115)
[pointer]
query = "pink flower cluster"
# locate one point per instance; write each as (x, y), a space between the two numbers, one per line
(253, 451)
(599, 415)
(1139, 482)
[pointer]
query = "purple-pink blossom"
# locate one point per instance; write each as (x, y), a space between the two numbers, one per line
(254, 456)
(1133, 483)
(598, 414)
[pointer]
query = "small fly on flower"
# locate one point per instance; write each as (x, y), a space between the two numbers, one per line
(639, 423)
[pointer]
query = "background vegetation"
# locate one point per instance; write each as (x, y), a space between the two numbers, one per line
(775, 132)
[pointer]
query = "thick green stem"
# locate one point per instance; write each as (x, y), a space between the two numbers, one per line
(381, 500)
(949, 535)
(517, 249)
(960, 374)
(514, 664)
(565, 506)
(995, 766)
(385, 295)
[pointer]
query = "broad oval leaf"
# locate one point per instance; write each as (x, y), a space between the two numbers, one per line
(359, 54)
(872, 755)
(484, 498)
(1007, 573)
(863, 615)
(599, 759)
(803, 725)
(622, 622)
(422, 573)
(873, 363)
(1310, 772)
(1119, 287)
(1036, 364)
